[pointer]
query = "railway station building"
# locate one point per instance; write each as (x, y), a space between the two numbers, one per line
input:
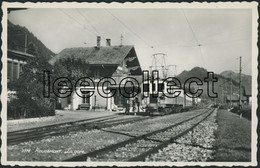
(117, 62)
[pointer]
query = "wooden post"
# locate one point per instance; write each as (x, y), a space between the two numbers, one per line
(12, 70)
(18, 69)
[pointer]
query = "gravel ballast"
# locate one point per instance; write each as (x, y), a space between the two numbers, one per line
(134, 149)
(66, 146)
(196, 146)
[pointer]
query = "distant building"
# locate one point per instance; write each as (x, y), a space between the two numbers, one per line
(117, 62)
(17, 57)
(247, 92)
(234, 100)
(15, 61)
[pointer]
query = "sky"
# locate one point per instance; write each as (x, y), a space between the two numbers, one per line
(209, 38)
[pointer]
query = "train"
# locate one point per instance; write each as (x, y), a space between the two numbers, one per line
(160, 103)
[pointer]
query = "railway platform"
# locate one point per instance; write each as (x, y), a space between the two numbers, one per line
(61, 116)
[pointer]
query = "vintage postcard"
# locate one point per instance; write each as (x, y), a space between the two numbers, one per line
(129, 84)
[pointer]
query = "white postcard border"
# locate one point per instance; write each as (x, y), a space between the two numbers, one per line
(194, 5)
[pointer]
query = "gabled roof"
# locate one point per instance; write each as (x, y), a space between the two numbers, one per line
(112, 55)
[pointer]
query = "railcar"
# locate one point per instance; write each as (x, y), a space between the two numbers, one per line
(160, 103)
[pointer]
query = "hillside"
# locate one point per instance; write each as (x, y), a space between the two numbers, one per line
(223, 82)
(200, 73)
(16, 37)
(246, 80)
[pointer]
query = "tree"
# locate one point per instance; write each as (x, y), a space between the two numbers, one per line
(30, 101)
(71, 68)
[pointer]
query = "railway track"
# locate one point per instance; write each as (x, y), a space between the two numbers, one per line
(137, 148)
(37, 133)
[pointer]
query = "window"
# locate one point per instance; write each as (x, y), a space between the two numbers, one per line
(86, 98)
(9, 70)
(12, 71)
(97, 74)
(15, 71)
(21, 67)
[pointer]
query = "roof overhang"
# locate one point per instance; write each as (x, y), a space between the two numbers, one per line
(18, 55)
(103, 64)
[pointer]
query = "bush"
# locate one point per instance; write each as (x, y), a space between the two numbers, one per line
(246, 113)
(235, 110)
(17, 108)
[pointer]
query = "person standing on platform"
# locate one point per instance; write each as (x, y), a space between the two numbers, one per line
(138, 104)
(133, 104)
(127, 106)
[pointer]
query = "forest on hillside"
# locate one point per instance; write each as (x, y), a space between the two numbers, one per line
(18, 36)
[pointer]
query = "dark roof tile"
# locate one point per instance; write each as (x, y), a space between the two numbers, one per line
(94, 55)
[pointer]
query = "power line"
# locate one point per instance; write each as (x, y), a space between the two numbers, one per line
(207, 44)
(88, 22)
(240, 70)
(247, 62)
(225, 42)
(190, 27)
(174, 46)
(84, 28)
(221, 33)
(193, 33)
(128, 28)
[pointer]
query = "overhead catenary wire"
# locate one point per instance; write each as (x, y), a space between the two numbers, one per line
(206, 44)
(94, 28)
(197, 42)
(84, 28)
(247, 63)
(193, 33)
(128, 28)
(227, 32)
(225, 42)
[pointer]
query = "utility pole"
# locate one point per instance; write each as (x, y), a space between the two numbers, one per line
(225, 92)
(231, 91)
(25, 43)
(121, 38)
(222, 95)
(240, 69)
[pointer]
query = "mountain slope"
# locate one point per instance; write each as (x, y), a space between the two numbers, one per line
(222, 86)
(17, 37)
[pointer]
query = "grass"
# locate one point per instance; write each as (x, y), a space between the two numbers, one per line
(233, 138)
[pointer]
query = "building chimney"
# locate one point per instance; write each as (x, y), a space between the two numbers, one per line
(108, 42)
(98, 41)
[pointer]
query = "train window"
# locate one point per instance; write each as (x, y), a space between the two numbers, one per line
(153, 86)
(146, 87)
(153, 98)
(160, 87)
